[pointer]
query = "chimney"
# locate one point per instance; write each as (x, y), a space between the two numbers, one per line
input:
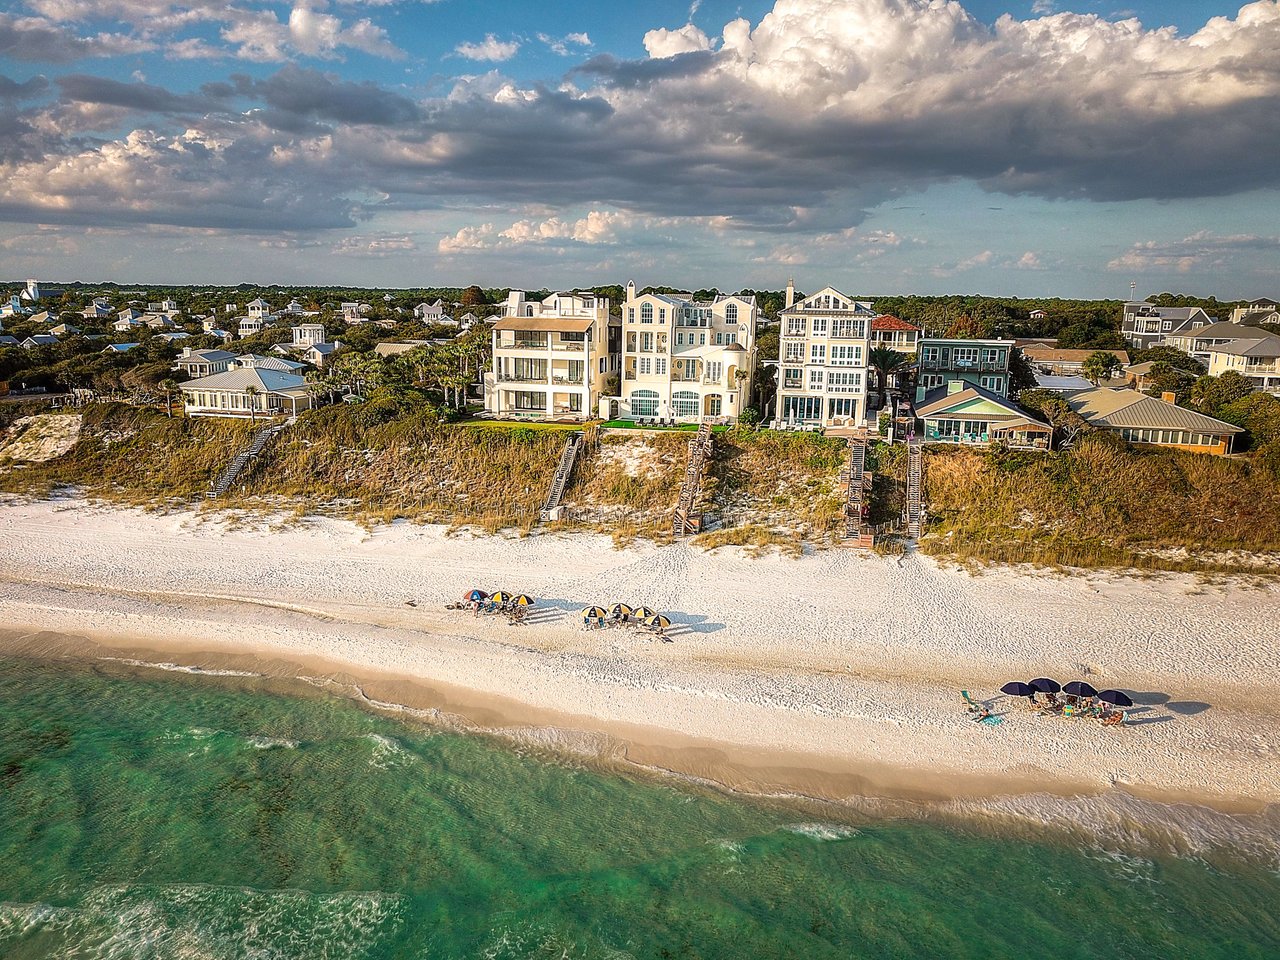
(631, 289)
(955, 386)
(1169, 397)
(791, 291)
(186, 351)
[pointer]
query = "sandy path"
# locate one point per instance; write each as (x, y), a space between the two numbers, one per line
(836, 665)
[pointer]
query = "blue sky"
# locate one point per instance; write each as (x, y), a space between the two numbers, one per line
(884, 146)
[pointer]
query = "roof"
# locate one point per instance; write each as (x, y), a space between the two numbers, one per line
(42, 339)
(1141, 369)
(545, 324)
(207, 356)
(120, 347)
(1263, 302)
(1055, 355)
(324, 349)
(1062, 384)
(938, 401)
(1221, 330)
(8, 341)
(269, 363)
(1259, 345)
(1115, 409)
(270, 381)
(889, 322)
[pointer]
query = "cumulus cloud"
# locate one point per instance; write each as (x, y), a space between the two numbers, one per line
(40, 40)
(1200, 250)
(490, 48)
(597, 227)
(567, 45)
(662, 43)
(374, 246)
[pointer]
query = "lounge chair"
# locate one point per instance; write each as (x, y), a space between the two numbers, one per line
(972, 705)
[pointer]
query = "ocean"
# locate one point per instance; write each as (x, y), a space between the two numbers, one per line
(150, 814)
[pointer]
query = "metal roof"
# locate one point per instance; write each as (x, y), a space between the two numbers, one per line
(1128, 408)
(270, 381)
(545, 324)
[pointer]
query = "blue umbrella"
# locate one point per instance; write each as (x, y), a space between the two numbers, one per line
(475, 596)
(1078, 688)
(1045, 685)
(1016, 688)
(1115, 697)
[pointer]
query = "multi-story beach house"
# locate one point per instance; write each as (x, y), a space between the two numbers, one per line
(1257, 359)
(984, 363)
(1197, 342)
(889, 331)
(822, 363)
(1155, 421)
(551, 358)
(1144, 324)
(1261, 310)
(685, 359)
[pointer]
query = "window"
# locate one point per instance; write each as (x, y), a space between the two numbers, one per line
(991, 355)
(931, 381)
(713, 405)
(646, 366)
(840, 407)
(846, 355)
(631, 314)
(843, 381)
(702, 338)
(602, 368)
(995, 384)
(714, 370)
(529, 401)
(646, 313)
(818, 353)
(795, 326)
(801, 408)
(793, 350)
(679, 338)
(684, 403)
(965, 356)
(819, 326)
(644, 403)
(662, 314)
(660, 365)
(791, 376)
(646, 343)
(930, 354)
(731, 313)
(815, 379)
(575, 403)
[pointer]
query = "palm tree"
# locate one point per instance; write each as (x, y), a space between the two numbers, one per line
(252, 393)
(885, 361)
(170, 387)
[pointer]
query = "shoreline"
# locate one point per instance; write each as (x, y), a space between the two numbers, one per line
(776, 682)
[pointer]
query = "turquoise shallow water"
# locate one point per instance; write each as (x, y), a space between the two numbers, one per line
(156, 816)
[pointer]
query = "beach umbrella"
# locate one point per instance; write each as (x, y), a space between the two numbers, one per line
(475, 596)
(500, 596)
(1016, 688)
(524, 601)
(621, 610)
(1115, 697)
(594, 613)
(658, 621)
(643, 613)
(1078, 688)
(1045, 685)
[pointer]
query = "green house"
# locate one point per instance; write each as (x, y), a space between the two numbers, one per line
(962, 412)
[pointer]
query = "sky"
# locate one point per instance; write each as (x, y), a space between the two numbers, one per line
(1043, 148)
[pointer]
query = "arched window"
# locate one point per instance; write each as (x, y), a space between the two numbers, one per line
(684, 403)
(646, 313)
(644, 403)
(731, 313)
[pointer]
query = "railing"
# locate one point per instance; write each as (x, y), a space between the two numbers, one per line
(934, 435)
(569, 347)
(939, 364)
(523, 345)
(515, 378)
(567, 381)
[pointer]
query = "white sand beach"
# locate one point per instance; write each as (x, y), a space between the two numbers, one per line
(832, 675)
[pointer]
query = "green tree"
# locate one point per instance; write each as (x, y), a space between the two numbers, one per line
(1210, 394)
(1166, 378)
(969, 328)
(886, 362)
(1172, 356)
(252, 393)
(1100, 365)
(1054, 409)
(170, 387)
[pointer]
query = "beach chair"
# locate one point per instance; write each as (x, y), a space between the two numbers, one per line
(972, 705)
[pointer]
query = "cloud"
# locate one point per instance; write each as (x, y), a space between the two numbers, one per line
(1198, 251)
(374, 246)
(564, 45)
(1042, 8)
(982, 259)
(1029, 261)
(663, 43)
(39, 40)
(597, 227)
(468, 238)
(491, 48)
(26, 90)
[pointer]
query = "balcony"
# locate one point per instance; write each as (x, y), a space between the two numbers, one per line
(995, 366)
(525, 344)
(569, 346)
(519, 378)
(566, 381)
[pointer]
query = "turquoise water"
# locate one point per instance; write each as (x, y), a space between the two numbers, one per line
(146, 815)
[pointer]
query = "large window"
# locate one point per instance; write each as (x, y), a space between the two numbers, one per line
(793, 350)
(801, 408)
(527, 400)
(795, 326)
(731, 313)
(646, 313)
(842, 407)
(714, 369)
(644, 403)
(817, 353)
(684, 403)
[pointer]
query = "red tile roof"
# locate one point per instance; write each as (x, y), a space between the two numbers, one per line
(887, 322)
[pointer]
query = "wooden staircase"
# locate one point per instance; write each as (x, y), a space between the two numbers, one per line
(687, 521)
(857, 479)
(242, 460)
(551, 509)
(914, 509)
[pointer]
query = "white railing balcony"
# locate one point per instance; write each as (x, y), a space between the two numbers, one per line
(569, 347)
(521, 378)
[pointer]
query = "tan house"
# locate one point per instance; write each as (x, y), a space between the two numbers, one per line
(204, 363)
(1258, 359)
(1157, 421)
(1065, 363)
(1198, 342)
(824, 341)
(685, 359)
(551, 358)
(889, 331)
(246, 391)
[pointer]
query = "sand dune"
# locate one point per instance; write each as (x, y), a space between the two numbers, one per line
(834, 674)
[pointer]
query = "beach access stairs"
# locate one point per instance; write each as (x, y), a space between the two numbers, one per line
(244, 459)
(913, 511)
(687, 521)
(857, 480)
(551, 508)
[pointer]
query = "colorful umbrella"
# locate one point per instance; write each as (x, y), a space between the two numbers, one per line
(659, 621)
(1016, 688)
(501, 596)
(594, 613)
(1045, 685)
(643, 613)
(1116, 697)
(524, 601)
(621, 610)
(475, 596)
(1078, 688)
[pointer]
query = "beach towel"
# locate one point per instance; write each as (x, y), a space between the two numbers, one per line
(992, 720)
